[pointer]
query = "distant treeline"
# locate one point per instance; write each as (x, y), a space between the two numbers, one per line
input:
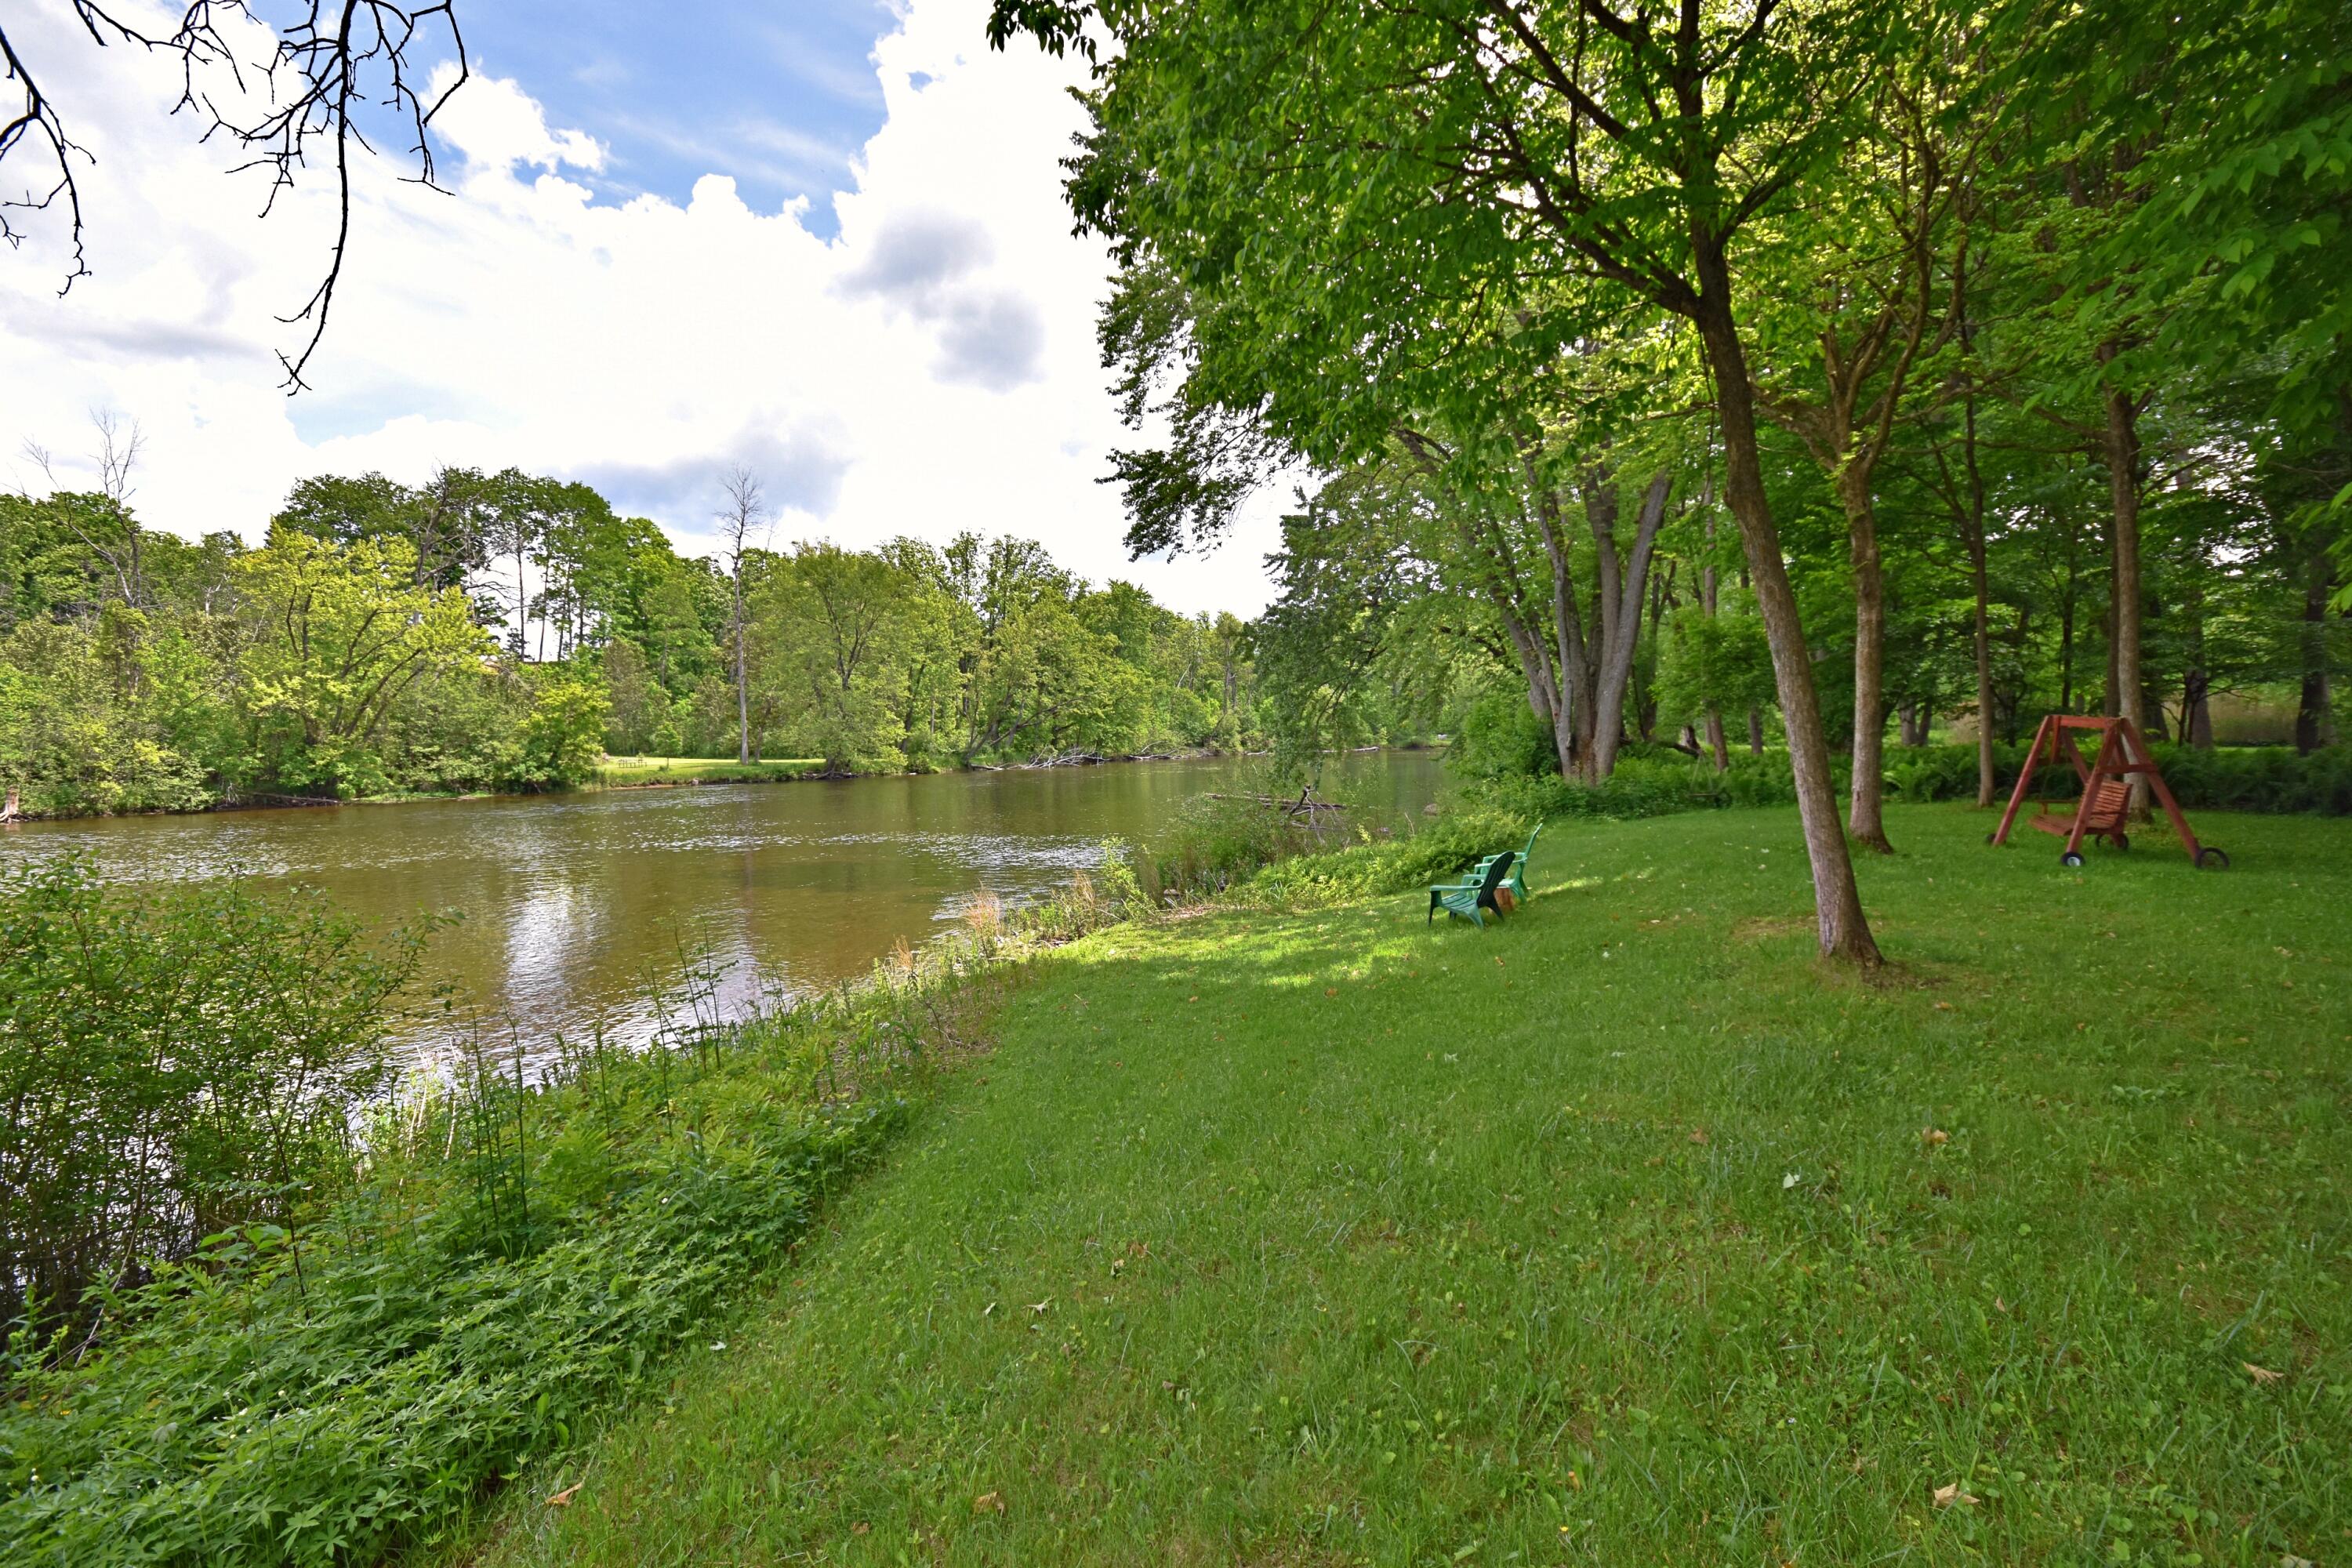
(501, 632)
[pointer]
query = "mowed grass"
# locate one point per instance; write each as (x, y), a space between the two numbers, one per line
(1620, 1234)
(627, 773)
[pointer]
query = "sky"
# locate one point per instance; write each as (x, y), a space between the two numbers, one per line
(824, 240)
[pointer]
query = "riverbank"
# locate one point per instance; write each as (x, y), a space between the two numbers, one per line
(661, 772)
(635, 773)
(1617, 1233)
(478, 1277)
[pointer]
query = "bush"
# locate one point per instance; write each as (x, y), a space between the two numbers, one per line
(1501, 737)
(323, 1398)
(2250, 778)
(1648, 785)
(1451, 843)
(172, 1061)
(2234, 778)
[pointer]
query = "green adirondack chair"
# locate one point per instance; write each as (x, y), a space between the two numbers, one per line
(1472, 897)
(1519, 866)
(1519, 877)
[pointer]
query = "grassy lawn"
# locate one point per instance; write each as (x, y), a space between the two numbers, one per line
(1617, 1235)
(621, 772)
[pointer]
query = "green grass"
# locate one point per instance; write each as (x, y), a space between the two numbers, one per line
(627, 773)
(1621, 1234)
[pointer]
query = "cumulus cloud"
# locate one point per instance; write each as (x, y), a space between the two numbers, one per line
(929, 368)
(798, 469)
(919, 263)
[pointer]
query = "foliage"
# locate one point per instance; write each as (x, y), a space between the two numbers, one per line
(462, 1285)
(560, 739)
(1501, 737)
(174, 1062)
(336, 639)
(500, 631)
(2233, 778)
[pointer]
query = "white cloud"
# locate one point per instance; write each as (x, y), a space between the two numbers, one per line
(931, 369)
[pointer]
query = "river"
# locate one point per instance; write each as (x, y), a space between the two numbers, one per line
(574, 905)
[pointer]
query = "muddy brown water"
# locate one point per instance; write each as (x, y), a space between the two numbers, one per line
(574, 906)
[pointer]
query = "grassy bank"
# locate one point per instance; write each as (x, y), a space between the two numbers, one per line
(1619, 1233)
(639, 773)
(344, 1350)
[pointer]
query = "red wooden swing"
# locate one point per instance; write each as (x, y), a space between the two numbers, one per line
(2106, 789)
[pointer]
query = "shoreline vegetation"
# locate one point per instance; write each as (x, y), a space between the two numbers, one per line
(336, 1338)
(500, 634)
(424, 1317)
(2256, 777)
(520, 1322)
(683, 773)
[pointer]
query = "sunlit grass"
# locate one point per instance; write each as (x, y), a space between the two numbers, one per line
(1618, 1234)
(622, 772)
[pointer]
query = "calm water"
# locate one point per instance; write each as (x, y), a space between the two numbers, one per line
(571, 904)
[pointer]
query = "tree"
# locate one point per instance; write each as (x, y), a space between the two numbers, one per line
(1352, 169)
(1860, 267)
(827, 623)
(324, 82)
(336, 637)
(746, 509)
(446, 521)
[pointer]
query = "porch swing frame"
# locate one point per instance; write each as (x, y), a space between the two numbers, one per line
(2106, 800)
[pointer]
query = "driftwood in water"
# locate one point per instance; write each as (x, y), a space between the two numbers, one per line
(1305, 806)
(13, 809)
(262, 797)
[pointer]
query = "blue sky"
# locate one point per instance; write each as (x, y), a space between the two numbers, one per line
(779, 95)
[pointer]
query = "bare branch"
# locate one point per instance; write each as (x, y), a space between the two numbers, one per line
(343, 56)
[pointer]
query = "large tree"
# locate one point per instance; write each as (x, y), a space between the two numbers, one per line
(1356, 170)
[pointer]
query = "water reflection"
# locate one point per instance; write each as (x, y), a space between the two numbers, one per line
(573, 903)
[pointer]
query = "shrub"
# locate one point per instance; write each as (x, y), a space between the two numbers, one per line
(2248, 778)
(172, 1061)
(1449, 844)
(322, 1398)
(1501, 737)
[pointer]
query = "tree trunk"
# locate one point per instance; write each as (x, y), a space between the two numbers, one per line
(2066, 606)
(2121, 449)
(1865, 818)
(1706, 599)
(1755, 731)
(2314, 716)
(1571, 742)
(2196, 718)
(1973, 527)
(1844, 933)
(1620, 594)
(743, 687)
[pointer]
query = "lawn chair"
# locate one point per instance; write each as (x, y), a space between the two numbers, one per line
(1518, 883)
(1476, 894)
(1519, 877)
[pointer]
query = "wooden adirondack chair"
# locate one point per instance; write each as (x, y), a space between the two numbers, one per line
(1473, 896)
(2106, 789)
